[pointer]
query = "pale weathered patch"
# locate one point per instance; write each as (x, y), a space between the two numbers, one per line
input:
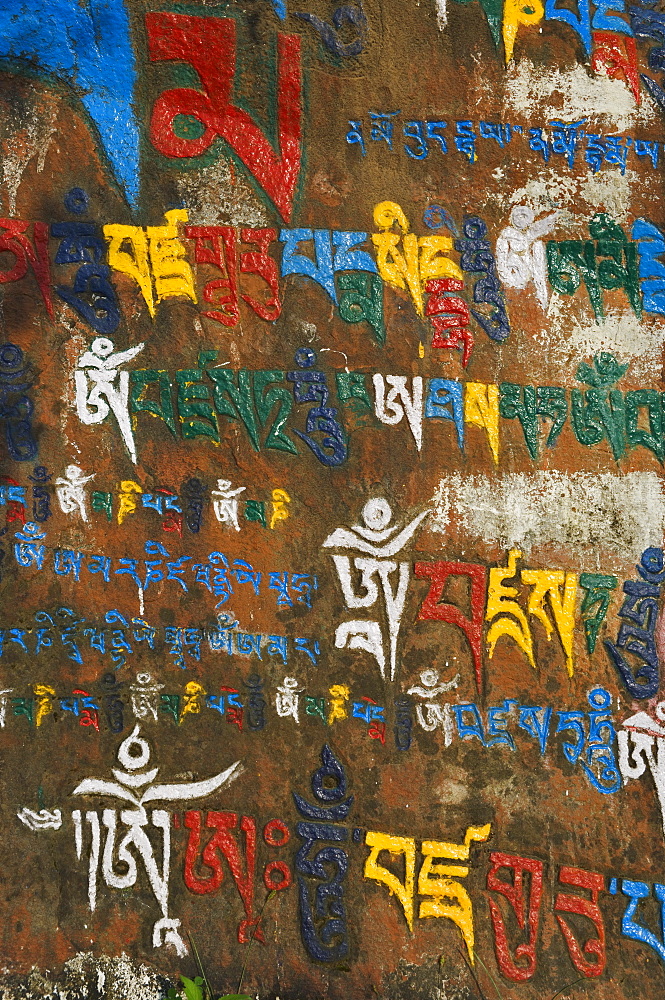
(605, 192)
(86, 975)
(573, 94)
(567, 341)
(27, 137)
(219, 196)
(593, 515)
(611, 192)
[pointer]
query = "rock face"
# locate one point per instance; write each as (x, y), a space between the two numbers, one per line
(331, 500)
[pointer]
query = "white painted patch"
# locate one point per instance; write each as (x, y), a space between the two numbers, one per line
(101, 388)
(572, 94)
(380, 537)
(520, 251)
(441, 13)
(567, 341)
(42, 820)
(595, 516)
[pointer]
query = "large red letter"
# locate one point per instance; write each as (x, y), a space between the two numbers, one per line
(433, 607)
(15, 242)
(449, 330)
(222, 253)
(210, 858)
(527, 917)
(209, 45)
(223, 842)
(587, 908)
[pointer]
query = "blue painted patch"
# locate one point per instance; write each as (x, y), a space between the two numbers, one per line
(88, 45)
